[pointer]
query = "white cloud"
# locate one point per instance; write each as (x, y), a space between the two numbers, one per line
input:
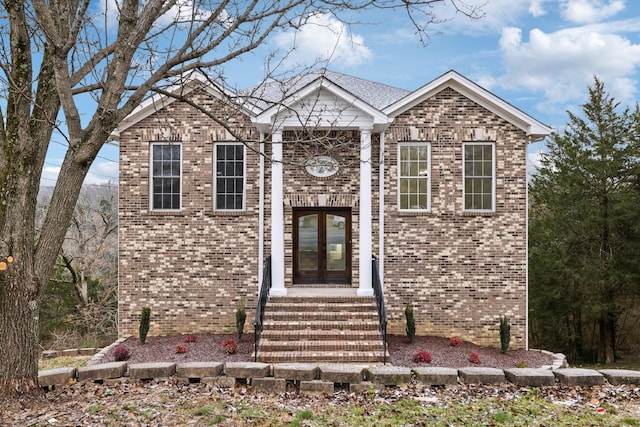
(324, 38)
(588, 11)
(536, 8)
(496, 14)
(562, 64)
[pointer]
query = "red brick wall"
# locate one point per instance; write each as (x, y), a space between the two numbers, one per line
(461, 271)
(190, 267)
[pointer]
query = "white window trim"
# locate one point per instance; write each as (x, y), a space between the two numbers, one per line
(398, 176)
(493, 176)
(152, 177)
(244, 176)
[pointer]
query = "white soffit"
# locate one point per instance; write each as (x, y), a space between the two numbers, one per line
(273, 116)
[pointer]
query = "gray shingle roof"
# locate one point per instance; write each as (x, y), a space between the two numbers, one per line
(376, 94)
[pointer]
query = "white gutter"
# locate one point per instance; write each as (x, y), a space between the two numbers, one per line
(261, 215)
(381, 213)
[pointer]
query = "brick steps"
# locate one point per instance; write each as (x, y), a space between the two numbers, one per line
(303, 324)
(331, 329)
(323, 356)
(322, 334)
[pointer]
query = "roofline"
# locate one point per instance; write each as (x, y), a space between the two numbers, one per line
(264, 120)
(158, 101)
(532, 127)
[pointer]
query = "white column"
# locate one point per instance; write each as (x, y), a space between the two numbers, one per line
(277, 217)
(365, 288)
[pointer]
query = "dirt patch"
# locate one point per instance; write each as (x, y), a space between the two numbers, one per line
(208, 347)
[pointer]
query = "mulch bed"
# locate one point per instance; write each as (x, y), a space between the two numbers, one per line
(208, 347)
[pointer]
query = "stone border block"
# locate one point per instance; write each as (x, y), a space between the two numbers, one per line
(389, 375)
(199, 369)
(530, 377)
(579, 377)
(49, 354)
(247, 369)
(87, 351)
(621, 376)
(221, 382)
(295, 371)
(147, 371)
(436, 375)
(71, 352)
(53, 377)
(102, 371)
(269, 385)
(480, 375)
(364, 387)
(316, 387)
(344, 374)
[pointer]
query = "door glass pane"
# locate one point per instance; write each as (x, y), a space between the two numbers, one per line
(308, 242)
(336, 239)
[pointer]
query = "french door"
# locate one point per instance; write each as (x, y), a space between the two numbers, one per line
(322, 245)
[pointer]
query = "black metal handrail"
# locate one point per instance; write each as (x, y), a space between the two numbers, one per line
(262, 302)
(382, 310)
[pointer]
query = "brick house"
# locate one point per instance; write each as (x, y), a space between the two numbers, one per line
(319, 176)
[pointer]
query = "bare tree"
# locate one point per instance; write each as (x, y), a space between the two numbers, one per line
(55, 55)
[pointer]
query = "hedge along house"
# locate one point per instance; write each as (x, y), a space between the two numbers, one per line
(317, 176)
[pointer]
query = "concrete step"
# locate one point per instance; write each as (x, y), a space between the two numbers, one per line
(350, 307)
(322, 316)
(336, 325)
(321, 356)
(320, 345)
(321, 334)
(329, 299)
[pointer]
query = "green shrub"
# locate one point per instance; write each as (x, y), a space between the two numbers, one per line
(241, 316)
(411, 322)
(145, 319)
(505, 334)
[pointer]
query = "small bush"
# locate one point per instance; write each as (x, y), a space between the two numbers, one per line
(411, 322)
(522, 364)
(422, 356)
(230, 346)
(145, 319)
(121, 353)
(241, 316)
(474, 358)
(190, 338)
(181, 349)
(455, 342)
(505, 333)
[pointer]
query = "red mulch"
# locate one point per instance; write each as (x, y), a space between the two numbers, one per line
(208, 347)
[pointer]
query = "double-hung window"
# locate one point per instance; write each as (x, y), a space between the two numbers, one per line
(166, 176)
(479, 177)
(229, 160)
(414, 186)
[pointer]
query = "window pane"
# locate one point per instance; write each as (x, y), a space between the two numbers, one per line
(404, 153)
(404, 169)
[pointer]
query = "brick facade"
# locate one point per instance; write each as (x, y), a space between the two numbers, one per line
(460, 270)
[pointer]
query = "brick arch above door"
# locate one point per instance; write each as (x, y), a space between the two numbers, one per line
(321, 200)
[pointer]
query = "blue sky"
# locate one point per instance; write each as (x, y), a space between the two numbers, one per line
(539, 55)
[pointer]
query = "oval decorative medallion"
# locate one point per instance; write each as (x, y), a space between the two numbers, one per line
(322, 166)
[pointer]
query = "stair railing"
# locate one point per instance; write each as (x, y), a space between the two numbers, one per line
(382, 310)
(262, 302)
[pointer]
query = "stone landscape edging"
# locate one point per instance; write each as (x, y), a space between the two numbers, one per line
(312, 378)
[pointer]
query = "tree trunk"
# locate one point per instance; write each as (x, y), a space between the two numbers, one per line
(18, 345)
(606, 352)
(19, 299)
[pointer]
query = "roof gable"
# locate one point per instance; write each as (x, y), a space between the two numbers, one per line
(321, 103)
(475, 93)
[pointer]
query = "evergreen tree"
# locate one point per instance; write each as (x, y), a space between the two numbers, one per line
(584, 234)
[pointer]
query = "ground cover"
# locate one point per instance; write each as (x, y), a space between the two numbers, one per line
(169, 403)
(208, 347)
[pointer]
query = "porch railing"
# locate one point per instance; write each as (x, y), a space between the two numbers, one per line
(382, 310)
(262, 302)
